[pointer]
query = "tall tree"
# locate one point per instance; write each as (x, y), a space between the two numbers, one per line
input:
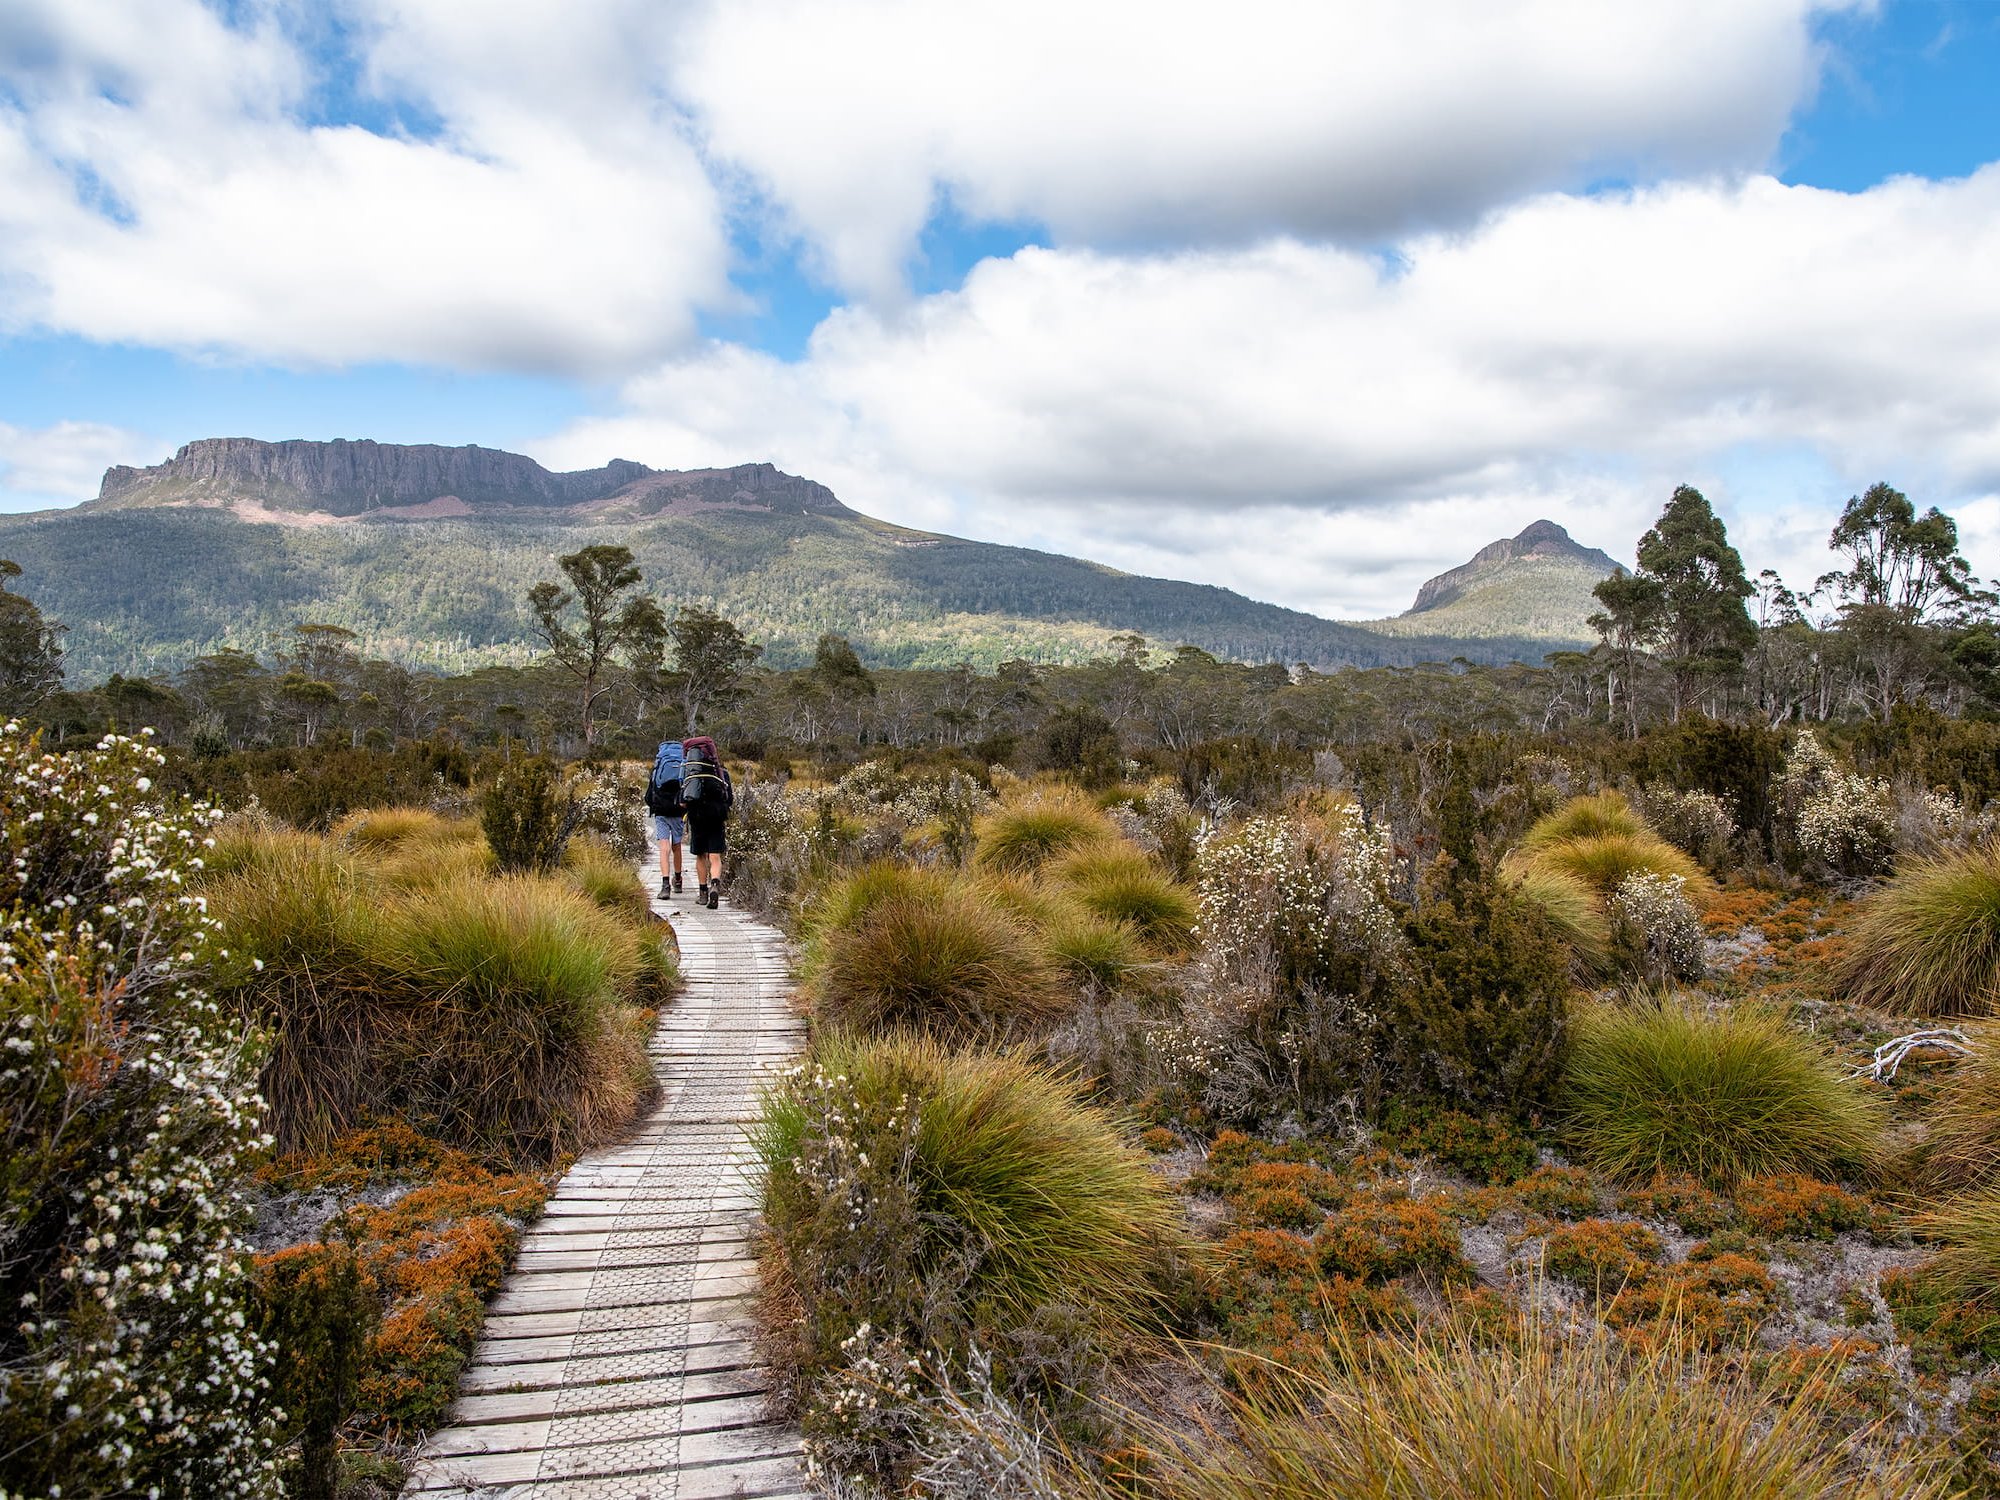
(710, 658)
(30, 648)
(1628, 625)
(613, 619)
(1704, 628)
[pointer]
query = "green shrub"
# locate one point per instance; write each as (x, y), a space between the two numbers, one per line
(946, 960)
(1452, 1414)
(1486, 1150)
(1023, 836)
(318, 1304)
(1122, 885)
(952, 1199)
(1928, 943)
(528, 813)
(1665, 1087)
(1478, 1019)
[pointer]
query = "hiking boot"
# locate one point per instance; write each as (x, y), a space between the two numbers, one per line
(677, 882)
(665, 889)
(701, 896)
(714, 897)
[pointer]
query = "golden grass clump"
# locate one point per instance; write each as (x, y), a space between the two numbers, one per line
(1586, 817)
(1022, 836)
(1967, 1233)
(1603, 861)
(843, 903)
(1452, 1416)
(1663, 1088)
(1964, 1143)
(944, 959)
(1006, 1160)
(601, 874)
(1120, 884)
(1928, 942)
(1573, 910)
(1108, 955)
(372, 830)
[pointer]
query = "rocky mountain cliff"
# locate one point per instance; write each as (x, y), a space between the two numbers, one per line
(365, 479)
(1541, 539)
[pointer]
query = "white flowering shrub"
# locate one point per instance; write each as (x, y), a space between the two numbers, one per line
(1839, 821)
(614, 811)
(129, 1109)
(1931, 821)
(1699, 823)
(1656, 928)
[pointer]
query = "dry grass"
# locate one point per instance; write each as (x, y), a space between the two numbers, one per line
(1054, 821)
(1967, 1233)
(1663, 1087)
(1964, 1145)
(1928, 943)
(1450, 1416)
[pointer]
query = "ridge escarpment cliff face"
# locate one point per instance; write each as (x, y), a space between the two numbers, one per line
(345, 478)
(1540, 540)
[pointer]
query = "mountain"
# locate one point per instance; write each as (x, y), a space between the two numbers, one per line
(427, 553)
(1535, 586)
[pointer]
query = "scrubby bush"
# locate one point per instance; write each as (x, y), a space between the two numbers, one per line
(319, 1305)
(1928, 943)
(1453, 1414)
(946, 960)
(1655, 929)
(1025, 835)
(936, 1201)
(1666, 1087)
(1837, 820)
(1697, 823)
(128, 1115)
(528, 812)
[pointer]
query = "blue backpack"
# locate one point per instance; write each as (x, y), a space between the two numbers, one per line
(663, 787)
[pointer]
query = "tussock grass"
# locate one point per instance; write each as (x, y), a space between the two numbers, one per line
(1120, 884)
(1025, 1192)
(1664, 1088)
(1602, 861)
(1026, 835)
(603, 876)
(941, 959)
(496, 1013)
(1587, 817)
(1964, 1144)
(844, 903)
(1447, 1416)
(1105, 954)
(1573, 910)
(372, 830)
(1967, 1232)
(1928, 943)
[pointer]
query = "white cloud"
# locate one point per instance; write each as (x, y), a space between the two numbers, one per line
(166, 187)
(1270, 417)
(50, 466)
(1194, 122)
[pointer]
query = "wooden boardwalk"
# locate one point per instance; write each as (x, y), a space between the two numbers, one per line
(617, 1360)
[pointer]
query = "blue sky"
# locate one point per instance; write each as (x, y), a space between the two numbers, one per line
(1133, 332)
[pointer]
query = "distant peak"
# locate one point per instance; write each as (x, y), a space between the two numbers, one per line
(1538, 539)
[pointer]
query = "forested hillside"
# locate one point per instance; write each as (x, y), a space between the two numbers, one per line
(144, 590)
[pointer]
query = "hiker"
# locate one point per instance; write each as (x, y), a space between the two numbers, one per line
(663, 801)
(707, 794)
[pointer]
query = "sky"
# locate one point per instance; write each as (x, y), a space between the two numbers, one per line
(1310, 300)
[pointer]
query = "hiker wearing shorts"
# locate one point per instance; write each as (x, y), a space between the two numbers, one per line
(707, 794)
(663, 801)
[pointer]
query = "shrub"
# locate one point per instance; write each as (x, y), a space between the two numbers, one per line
(528, 813)
(1843, 822)
(129, 1360)
(1600, 1255)
(1664, 1087)
(1478, 1019)
(1697, 823)
(1715, 1298)
(1655, 929)
(1023, 836)
(1682, 1201)
(1486, 1150)
(1560, 1192)
(948, 1199)
(1122, 886)
(1373, 1239)
(318, 1304)
(1928, 943)
(948, 961)
(1452, 1414)
(1785, 1203)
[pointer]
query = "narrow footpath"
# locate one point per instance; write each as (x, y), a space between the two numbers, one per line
(617, 1361)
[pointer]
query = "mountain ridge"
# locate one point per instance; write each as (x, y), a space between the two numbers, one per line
(1539, 539)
